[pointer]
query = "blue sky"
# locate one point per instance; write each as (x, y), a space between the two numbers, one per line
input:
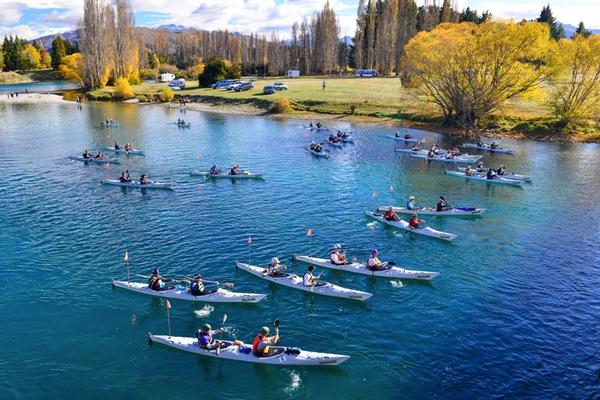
(33, 18)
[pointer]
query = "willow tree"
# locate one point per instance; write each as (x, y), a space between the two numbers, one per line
(96, 42)
(575, 86)
(470, 70)
(126, 58)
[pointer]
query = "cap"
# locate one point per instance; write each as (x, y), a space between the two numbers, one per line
(337, 246)
(206, 327)
(311, 267)
(275, 260)
(374, 251)
(264, 330)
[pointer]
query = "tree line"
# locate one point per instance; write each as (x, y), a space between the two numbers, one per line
(19, 54)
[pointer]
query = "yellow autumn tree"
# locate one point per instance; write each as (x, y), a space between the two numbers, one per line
(123, 89)
(71, 67)
(29, 57)
(470, 70)
(575, 85)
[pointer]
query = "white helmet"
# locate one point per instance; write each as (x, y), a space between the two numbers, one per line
(275, 260)
(337, 246)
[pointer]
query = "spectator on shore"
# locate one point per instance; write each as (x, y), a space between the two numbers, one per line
(324, 84)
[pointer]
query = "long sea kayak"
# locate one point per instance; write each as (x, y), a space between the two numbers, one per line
(296, 282)
(137, 185)
(411, 151)
(186, 125)
(105, 160)
(482, 178)
(507, 175)
(463, 159)
(109, 124)
(360, 268)
(403, 139)
(453, 212)
(121, 150)
(277, 356)
(487, 147)
(323, 153)
(401, 224)
(181, 293)
(243, 175)
(335, 144)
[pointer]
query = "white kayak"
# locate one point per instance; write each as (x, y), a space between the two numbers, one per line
(401, 224)
(137, 184)
(122, 150)
(109, 124)
(323, 153)
(296, 282)
(420, 151)
(487, 147)
(335, 144)
(242, 175)
(463, 158)
(186, 125)
(403, 139)
(347, 139)
(452, 212)
(360, 268)
(181, 293)
(507, 175)
(483, 178)
(105, 160)
(278, 355)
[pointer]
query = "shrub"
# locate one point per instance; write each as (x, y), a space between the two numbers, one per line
(194, 72)
(148, 74)
(168, 68)
(142, 98)
(167, 95)
(353, 109)
(123, 89)
(99, 95)
(215, 70)
(280, 105)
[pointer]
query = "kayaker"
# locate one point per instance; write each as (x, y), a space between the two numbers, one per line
(128, 147)
(117, 147)
(127, 177)
(415, 221)
(309, 280)
(333, 139)
(480, 167)
(178, 121)
(337, 256)
(144, 180)
(197, 286)
(214, 170)
(205, 337)
(310, 125)
(374, 264)
(468, 171)
(397, 134)
(319, 125)
(156, 282)
(407, 136)
(87, 154)
(235, 170)
(501, 170)
(412, 204)
(494, 145)
(491, 174)
(99, 156)
(262, 342)
(122, 178)
(416, 148)
(390, 215)
(273, 268)
(442, 205)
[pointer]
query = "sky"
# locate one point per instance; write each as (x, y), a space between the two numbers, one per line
(34, 18)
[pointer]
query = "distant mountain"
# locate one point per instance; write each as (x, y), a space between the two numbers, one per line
(173, 28)
(71, 36)
(570, 30)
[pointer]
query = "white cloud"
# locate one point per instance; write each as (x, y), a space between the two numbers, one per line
(11, 13)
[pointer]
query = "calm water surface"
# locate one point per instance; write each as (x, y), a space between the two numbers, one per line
(514, 313)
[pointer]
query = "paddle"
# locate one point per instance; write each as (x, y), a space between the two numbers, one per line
(276, 325)
(188, 280)
(221, 335)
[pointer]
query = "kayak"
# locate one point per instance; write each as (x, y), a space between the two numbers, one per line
(500, 181)
(186, 125)
(105, 160)
(487, 147)
(401, 224)
(243, 175)
(507, 175)
(181, 293)
(464, 158)
(278, 355)
(137, 185)
(123, 151)
(348, 139)
(452, 212)
(296, 282)
(402, 139)
(323, 153)
(360, 268)
(109, 124)
(412, 151)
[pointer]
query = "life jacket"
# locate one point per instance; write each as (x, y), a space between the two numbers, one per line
(389, 214)
(413, 222)
(255, 343)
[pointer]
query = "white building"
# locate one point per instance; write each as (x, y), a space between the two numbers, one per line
(293, 73)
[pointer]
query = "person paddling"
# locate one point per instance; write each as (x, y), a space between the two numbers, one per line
(144, 180)
(414, 222)
(235, 170)
(87, 154)
(309, 280)
(412, 204)
(117, 147)
(337, 256)
(491, 174)
(197, 286)
(262, 342)
(205, 337)
(99, 156)
(442, 205)
(390, 215)
(468, 171)
(273, 268)
(373, 263)
(214, 170)
(501, 170)
(156, 282)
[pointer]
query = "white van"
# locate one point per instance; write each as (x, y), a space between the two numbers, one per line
(167, 77)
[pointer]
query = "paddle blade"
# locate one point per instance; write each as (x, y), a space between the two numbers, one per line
(224, 319)
(126, 256)
(276, 323)
(168, 304)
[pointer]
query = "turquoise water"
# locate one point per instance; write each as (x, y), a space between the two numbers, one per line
(514, 313)
(38, 87)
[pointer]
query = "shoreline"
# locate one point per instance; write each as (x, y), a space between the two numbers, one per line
(33, 98)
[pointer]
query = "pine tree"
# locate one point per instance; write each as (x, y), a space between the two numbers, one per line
(57, 52)
(557, 31)
(582, 31)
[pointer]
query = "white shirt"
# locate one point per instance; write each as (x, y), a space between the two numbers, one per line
(334, 257)
(308, 279)
(374, 261)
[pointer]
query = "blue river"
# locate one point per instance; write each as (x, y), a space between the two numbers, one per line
(515, 312)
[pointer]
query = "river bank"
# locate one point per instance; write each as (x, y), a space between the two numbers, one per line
(33, 98)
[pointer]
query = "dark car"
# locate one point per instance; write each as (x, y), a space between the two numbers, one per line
(268, 90)
(244, 86)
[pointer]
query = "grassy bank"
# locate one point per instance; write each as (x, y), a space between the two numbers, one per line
(38, 75)
(380, 99)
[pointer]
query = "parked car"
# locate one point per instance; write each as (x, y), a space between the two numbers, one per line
(177, 84)
(233, 85)
(222, 84)
(244, 86)
(268, 90)
(280, 86)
